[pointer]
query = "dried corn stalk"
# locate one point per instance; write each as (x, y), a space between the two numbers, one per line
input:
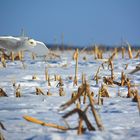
(46, 74)
(137, 99)
(112, 69)
(129, 51)
(103, 91)
(75, 57)
(49, 83)
(34, 77)
(39, 91)
(129, 95)
(83, 78)
(123, 52)
(82, 114)
(12, 56)
(67, 104)
(137, 55)
(3, 61)
(96, 75)
(1, 136)
(80, 127)
(48, 93)
(61, 92)
(3, 93)
(34, 120)
(95, 115)
(17, 91)
(112, 57)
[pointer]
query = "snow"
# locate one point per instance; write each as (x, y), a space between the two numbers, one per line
(119, 115)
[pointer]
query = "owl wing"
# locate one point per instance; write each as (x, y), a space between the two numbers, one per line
(9, 43)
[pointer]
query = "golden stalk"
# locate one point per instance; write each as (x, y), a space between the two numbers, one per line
(12, 56)
(123, 52)
(137, 55)
(3, 61)
(92, 94)
(104, 92)
(46, 74)
(112, 70)
(96, 75)
(34, 77)
(138, 100)
(73, 95)
(96, 51)
(129, 95)
(83, 78)
(116, 52)
(99, 97)
(1, 136)
(78, 105)
(81, 114)
(61, 91)
(48, 93)
(126, 67)
(95, 115)
(17, 91)
(122, 79)
(55, 77)
(34, 120)
(49, 84)
(20, 55)
(60, 82)
(39, 91)
(67, 104)
(3, 93)
(79, 131)
(129, 51)
(112, 57)
(76, 67)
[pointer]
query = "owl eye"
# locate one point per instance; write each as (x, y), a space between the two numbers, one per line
(31, 42)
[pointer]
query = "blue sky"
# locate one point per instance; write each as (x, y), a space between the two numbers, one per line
(82, 22)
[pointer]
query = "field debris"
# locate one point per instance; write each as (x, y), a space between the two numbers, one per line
(3, 93)
(39, 91)
(81, 88)
(2, 127)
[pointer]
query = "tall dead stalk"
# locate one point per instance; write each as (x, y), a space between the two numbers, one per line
(123, 52)
(75, 56)
(46, 74)
(85, 89)
(95, 115)
(96, 75)
(3, 61)
(129, 51)
(12, 56)
(112, 69)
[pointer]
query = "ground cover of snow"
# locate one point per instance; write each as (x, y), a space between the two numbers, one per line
(119, 115)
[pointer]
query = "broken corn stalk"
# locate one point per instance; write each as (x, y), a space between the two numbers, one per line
(34, 120)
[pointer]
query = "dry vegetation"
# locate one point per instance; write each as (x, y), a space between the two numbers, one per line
(83, 91)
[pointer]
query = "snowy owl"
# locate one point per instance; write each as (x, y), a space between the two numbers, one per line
(16, 44)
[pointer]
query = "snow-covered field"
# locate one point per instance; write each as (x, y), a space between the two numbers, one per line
(119, 115)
